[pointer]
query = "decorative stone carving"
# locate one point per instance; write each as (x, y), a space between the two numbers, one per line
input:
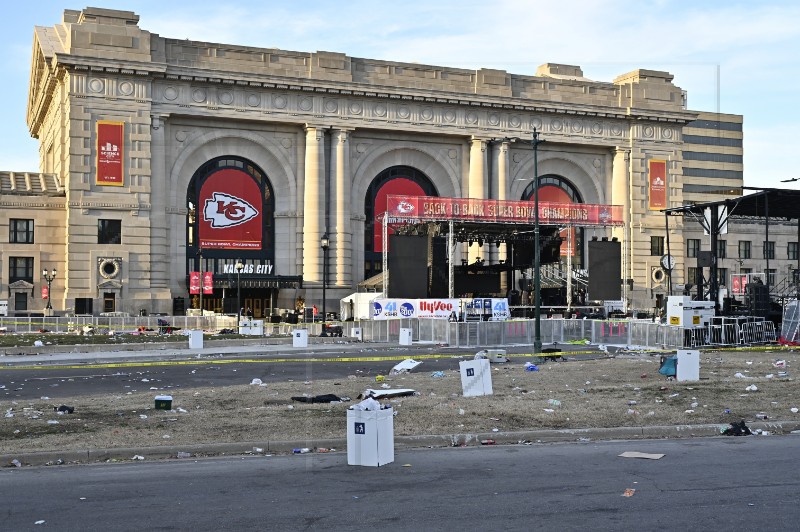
(170, 93)
(449, 116)
(96, 85)
(356, 108)
(380, 110)
(199, 95)
(403, 112)
(557, 125)
(515, 121)
(667, 133)
(279, 101)
(305, 104)
(597, 128)
(616, 130)
(125, 88)
(576, 126)
(427, 114)
(226, 97)
(331, 106)
(494, 119)
(253, 99)
(452, 153)
(536, 123)
(472, 117)
(180, 136)
(647, 132)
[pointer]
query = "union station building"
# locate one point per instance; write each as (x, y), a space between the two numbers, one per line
(163, 158)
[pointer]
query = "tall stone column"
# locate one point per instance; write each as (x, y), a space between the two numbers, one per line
(159, 242)
(477, 185)
(621, 195)
(313, 204)
(339, 273)
(500, 184)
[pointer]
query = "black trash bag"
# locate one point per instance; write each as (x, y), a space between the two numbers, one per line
(737, 429)
(325, 398)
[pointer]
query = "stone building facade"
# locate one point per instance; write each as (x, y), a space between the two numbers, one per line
(319, 134)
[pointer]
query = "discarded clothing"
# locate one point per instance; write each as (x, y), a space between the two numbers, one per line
(387, 394)
(324, 398)
(737, 429)
(669, 366)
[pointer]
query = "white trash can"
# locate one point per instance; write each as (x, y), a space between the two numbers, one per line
(406, 336)
(195, 339)
(300, 338)
(355, 332)
(370, 437)
(476, 377)
(688, 365)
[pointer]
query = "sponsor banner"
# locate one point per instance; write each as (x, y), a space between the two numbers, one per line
(45, 292)
(658, 184)
(194, 282)
(496, 308)
(386, 309)
(110, 139)
(412, 209)
(208, 283)
(230, 216)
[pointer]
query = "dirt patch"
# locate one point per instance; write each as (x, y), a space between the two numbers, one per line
(620, 392)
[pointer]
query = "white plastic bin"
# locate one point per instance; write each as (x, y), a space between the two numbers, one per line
(406, 336)
(476, 377)
(195, 339)
(355, 332)
(300, 338)
(370, 437)
(688, 365)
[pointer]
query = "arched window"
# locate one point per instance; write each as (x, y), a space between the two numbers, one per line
(397, 180)
(556, 189)
(231, 211)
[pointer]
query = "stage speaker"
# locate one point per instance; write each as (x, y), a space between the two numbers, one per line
(703, 259)
(605, 270)
(757, 299)
(439, 276)
(408, 266)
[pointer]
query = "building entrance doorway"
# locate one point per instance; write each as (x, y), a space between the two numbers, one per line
(109, 302)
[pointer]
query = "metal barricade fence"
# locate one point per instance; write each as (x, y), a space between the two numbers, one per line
(758, 332)
(438, 331)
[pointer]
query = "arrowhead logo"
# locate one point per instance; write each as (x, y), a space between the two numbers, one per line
(224, 210)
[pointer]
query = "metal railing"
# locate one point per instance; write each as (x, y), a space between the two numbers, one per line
(554, 332)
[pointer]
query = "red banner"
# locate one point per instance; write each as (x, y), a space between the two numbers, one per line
(45, 292)
(110, 139)
(410, 209)
(658, 184)
(738, 283)
(398, 186)
(230, 206)
(208, 283)
(194, 282)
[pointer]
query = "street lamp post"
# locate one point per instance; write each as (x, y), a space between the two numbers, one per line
(537, 288)
(239, 267)
(48, 277)
(325, 243)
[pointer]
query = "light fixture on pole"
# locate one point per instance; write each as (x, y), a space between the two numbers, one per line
(239, 267)
(537, 288)
(48, 277)
(325, 243)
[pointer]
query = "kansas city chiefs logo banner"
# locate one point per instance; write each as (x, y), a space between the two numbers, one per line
(224, 210)
(230, 206)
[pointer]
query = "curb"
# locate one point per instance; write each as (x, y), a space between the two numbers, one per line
(259, 448)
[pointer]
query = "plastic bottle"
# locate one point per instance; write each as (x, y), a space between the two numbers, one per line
(304, 450)
(488, 442)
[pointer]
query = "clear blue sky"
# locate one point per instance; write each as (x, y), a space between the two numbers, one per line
(753, 46)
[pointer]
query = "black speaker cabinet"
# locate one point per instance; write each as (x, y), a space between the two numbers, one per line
(605, 270)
